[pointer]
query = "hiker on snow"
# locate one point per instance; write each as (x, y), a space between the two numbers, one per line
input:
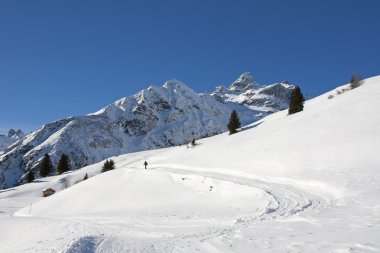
(145, 164)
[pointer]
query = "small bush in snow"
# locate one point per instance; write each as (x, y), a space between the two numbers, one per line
(355, 81)
(191, 144)
(330, 96)
(108, 165)
(85, 177)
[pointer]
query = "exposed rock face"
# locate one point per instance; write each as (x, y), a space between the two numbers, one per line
(153, 118)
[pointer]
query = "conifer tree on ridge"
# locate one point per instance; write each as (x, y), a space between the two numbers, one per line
(296, 101)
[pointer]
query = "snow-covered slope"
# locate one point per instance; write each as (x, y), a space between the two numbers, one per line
(309, 182)
(153, 118)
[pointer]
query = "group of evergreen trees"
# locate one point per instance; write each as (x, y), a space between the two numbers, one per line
(108, 165)
(46, 167)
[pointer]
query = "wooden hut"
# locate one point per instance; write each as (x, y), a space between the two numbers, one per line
(47, 192)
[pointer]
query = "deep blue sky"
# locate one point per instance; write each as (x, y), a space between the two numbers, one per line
(62, 58)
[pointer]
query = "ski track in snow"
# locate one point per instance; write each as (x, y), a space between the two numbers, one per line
(288, 200)
(113, 235)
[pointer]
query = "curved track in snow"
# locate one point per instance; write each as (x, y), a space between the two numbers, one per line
(286, 200)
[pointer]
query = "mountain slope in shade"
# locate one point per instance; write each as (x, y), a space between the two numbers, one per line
(153, 118)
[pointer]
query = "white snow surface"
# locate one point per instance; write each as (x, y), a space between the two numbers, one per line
(309, 182)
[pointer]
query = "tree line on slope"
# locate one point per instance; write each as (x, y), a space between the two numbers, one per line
(45, 167)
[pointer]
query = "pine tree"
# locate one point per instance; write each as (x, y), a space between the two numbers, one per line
(108, 165)
(63, 164)
(29, 176)
(85, 177)
(45, 166)
(234, 122)
(296, 101)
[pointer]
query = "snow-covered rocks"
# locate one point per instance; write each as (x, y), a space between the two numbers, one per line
(264, 98)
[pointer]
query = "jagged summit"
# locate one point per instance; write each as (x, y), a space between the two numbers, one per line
(12, 137)
(174, 84)
(15, 133)
(265, 98)
(156, 117)
(244, 82)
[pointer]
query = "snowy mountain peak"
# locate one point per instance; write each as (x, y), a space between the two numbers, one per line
(12, 137)
(244, 82)
(177, 86)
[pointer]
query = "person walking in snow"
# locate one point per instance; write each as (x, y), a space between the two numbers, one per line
(145, 164)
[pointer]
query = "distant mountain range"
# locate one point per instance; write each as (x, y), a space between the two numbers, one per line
(156, 117)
